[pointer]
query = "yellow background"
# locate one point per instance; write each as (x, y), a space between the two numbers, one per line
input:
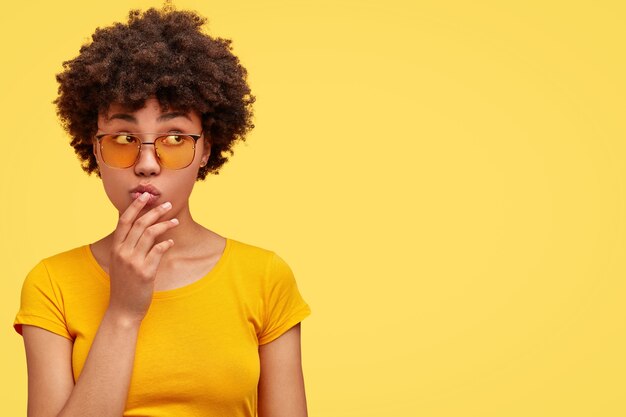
(445, 178)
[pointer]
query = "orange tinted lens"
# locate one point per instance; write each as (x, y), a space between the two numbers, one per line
(119, 151)
(175, 151)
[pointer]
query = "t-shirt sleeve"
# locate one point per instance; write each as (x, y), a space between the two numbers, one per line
(284, 307)
(40, 303)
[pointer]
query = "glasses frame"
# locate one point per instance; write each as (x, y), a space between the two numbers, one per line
(195, 138)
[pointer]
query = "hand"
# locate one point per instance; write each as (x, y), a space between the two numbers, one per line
(135, 258)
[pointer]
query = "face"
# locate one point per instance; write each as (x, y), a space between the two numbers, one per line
(167, 185)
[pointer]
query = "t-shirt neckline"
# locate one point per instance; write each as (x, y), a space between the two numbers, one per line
(175, 292)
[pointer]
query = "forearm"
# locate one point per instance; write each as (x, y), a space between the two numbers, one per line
(102, 388)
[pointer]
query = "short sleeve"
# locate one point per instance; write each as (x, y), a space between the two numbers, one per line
(283, 304)
(40, 303)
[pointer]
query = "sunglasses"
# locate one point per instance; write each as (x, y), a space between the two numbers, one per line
(173, 150)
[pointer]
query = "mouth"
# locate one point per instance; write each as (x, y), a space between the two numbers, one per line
(151, 200)
(153, 191)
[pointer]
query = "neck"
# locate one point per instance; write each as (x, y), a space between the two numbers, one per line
(186, 235)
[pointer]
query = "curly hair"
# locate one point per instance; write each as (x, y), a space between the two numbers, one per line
(163, 54)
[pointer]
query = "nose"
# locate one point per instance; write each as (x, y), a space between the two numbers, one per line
(147, 163)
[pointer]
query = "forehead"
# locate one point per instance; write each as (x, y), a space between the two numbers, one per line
(150, 105)
(151, 109)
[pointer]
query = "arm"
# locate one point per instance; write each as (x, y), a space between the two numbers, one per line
(281, 384)
(102, 388)
(103, 385)
(50, 380)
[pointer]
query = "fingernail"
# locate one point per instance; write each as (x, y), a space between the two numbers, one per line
(166, 205)
(145, 196)
(175, 221)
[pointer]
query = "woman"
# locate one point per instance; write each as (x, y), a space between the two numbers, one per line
(162, 317)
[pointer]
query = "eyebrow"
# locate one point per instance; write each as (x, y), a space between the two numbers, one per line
(162, 118)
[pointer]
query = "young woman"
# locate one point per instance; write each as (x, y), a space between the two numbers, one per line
(162, 317)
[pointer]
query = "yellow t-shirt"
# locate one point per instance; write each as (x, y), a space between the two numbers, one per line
(197, 351)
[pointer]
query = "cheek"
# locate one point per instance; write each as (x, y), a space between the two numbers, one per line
(115, 191)
(181, 189)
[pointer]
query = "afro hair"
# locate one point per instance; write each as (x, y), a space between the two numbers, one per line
(163, 54)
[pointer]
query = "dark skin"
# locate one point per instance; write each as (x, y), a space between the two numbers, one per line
(140, 256)
(157, 50)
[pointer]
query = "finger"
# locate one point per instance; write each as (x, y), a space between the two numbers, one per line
(142, 223)
(146, 241)
(153, 259)
(126, 220)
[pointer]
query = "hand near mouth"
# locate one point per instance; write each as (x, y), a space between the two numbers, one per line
(135, 258)
(152, 190)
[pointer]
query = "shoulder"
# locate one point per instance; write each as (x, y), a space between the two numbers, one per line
(47, 290)
(68, 260)
(250, 250)
(265, 261)
(61, 265)
(250, 254)
(67, 257)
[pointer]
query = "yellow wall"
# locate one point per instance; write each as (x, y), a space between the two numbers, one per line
(446, 179)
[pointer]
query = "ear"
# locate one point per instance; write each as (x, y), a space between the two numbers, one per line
(206, 152)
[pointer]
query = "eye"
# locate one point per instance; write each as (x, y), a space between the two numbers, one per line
(123, 139)
(173, 140)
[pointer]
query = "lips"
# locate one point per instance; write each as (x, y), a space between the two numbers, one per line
(139, 190)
